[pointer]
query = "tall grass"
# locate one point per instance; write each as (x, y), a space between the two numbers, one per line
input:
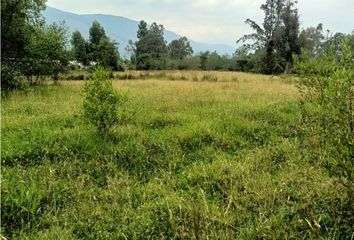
(210, 76)
(192, 160)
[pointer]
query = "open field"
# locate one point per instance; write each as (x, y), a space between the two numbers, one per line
(200, 156)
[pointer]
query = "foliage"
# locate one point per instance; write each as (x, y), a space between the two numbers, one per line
(311, 39)
(101, 103)
(47, 53)
(277, 38)
(180, 49)
(150, 49)
(18, 20)
(203, 60)
(190, 63)
(142, 29)
(326, 83)
(107, 54)
(243, 60)
(29, 47)
(97, 32)
(99, 49)
(80, 48)
(11, 78)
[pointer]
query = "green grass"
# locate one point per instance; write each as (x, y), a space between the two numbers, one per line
(216, 158)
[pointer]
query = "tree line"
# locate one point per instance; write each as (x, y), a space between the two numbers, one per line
(33, 50)
(149, 52)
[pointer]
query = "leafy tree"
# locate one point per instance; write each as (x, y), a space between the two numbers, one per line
(101, 49)
(80, 48)
(277, 38)
(97, 32)
(47, 53)
(179, 49)
(107, 54)
(11, 78)
(315, 42)
(288, 43)
(150, 49)
(19, 19)
(333, 40)
(213, 61)
(217, 62)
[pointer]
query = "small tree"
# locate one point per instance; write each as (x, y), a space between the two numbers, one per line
(47, 53)
(101, 102)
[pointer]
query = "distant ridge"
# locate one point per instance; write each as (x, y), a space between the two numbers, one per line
(120, 29)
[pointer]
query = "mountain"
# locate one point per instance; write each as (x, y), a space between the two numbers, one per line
(120, 29)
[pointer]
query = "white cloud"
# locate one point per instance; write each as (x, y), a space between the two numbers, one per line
(213, 21)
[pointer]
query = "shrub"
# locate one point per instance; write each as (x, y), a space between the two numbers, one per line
(11, 78)
(101, 102)
(326, 84)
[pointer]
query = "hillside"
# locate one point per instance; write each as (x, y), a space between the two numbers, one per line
(120, 29)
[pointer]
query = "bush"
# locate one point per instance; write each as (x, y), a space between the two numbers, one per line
(11, 78)
(327, 130)
(101, 102)
(326, 84)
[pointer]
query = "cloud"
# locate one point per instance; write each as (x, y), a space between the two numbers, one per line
(214, 21)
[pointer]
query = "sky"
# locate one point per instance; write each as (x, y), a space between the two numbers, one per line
(213, 21)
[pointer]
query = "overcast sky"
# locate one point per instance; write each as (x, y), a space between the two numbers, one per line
(213, 21)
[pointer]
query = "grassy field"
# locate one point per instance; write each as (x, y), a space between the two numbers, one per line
(197, 156)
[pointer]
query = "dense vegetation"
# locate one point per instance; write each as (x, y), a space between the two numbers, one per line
(28, 47)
